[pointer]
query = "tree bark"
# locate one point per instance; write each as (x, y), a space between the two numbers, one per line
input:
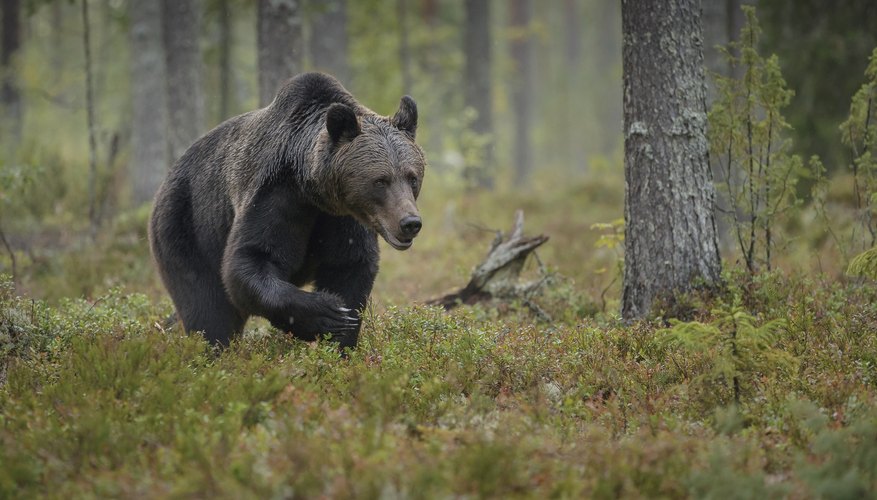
(57, 54)
(10, 94)
(93, 215)
(521, 48)
(428, 13)
(329, 39)
(404, 47)
(185, 95)
(575, 152)
(670, 235)
(477, 89)
(149, 140)
(226, 36)
(280, 45)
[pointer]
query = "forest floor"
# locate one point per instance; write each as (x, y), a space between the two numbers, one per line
(770, 392)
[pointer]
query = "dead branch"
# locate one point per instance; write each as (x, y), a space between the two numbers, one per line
(498, 275)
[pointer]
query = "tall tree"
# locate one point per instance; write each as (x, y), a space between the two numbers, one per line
(10, 95)
(329, 38)
(404, 46)
(574, 150)
(280, 45)
(226, 36)
(90, 121)
(57, 54)
(670, 235)
(477, 93)
(427, 60)
(521, 48)
(185, 96)
(149, 139)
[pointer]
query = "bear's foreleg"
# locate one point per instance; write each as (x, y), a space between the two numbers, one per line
(353, 284)
(348, 265)
(254, 283)
(267, 245)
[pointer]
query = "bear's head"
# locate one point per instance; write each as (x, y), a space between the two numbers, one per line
(377, 169)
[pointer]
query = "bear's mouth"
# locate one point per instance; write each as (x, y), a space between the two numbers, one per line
(397, 243)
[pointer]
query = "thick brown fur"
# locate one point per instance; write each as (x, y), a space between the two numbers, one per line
(276, 198)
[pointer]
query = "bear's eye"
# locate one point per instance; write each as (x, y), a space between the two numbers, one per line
(412, 179)
(382, 182)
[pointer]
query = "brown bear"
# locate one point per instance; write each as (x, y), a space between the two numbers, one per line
(283, 196)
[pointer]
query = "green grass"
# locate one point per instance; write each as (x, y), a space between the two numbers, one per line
(97, 401)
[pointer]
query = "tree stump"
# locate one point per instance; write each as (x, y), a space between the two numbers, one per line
(498, 275)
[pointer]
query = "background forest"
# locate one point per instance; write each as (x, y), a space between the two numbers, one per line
(768, 388)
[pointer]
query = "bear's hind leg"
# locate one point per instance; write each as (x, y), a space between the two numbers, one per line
(209, 311)
(203, 306)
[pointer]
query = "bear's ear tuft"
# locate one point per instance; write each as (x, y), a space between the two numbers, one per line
(406, 118)
(341, 122)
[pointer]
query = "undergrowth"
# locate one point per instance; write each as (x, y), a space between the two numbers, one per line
(97, 400)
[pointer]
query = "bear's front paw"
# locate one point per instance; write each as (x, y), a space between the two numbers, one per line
(326, 314)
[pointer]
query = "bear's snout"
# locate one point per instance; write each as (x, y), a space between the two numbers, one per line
(410, 226)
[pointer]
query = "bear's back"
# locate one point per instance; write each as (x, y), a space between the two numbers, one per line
(310, 93)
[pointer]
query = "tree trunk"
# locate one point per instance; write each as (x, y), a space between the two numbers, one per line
(428, 13)
(10, 94)
(329, 39)
(280, 45)
(57, 54)
(575, 154)
(477, 90)
(185, 95)
(670, 235)
(404, 47)
(226, 36)
(521, 48)
(93, 214)
(149, 140)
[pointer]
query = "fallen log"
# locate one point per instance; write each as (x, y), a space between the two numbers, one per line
(498, 275)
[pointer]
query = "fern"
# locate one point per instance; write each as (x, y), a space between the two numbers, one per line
(742, 347)
(864, 264)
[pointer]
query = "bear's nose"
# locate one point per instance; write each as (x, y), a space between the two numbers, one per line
(411, 226)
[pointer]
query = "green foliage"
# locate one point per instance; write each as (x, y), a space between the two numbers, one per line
(611, 238)
(15, 181)
(859, 133)
(847, 204)
(822, 46)
(472, 147)
(738, 348)
(864, 264)
(729, 473)
(839, 461)
(747, 134)
(96, 401)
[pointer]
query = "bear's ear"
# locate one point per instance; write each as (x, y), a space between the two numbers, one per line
(406, 118)
(341, 122)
